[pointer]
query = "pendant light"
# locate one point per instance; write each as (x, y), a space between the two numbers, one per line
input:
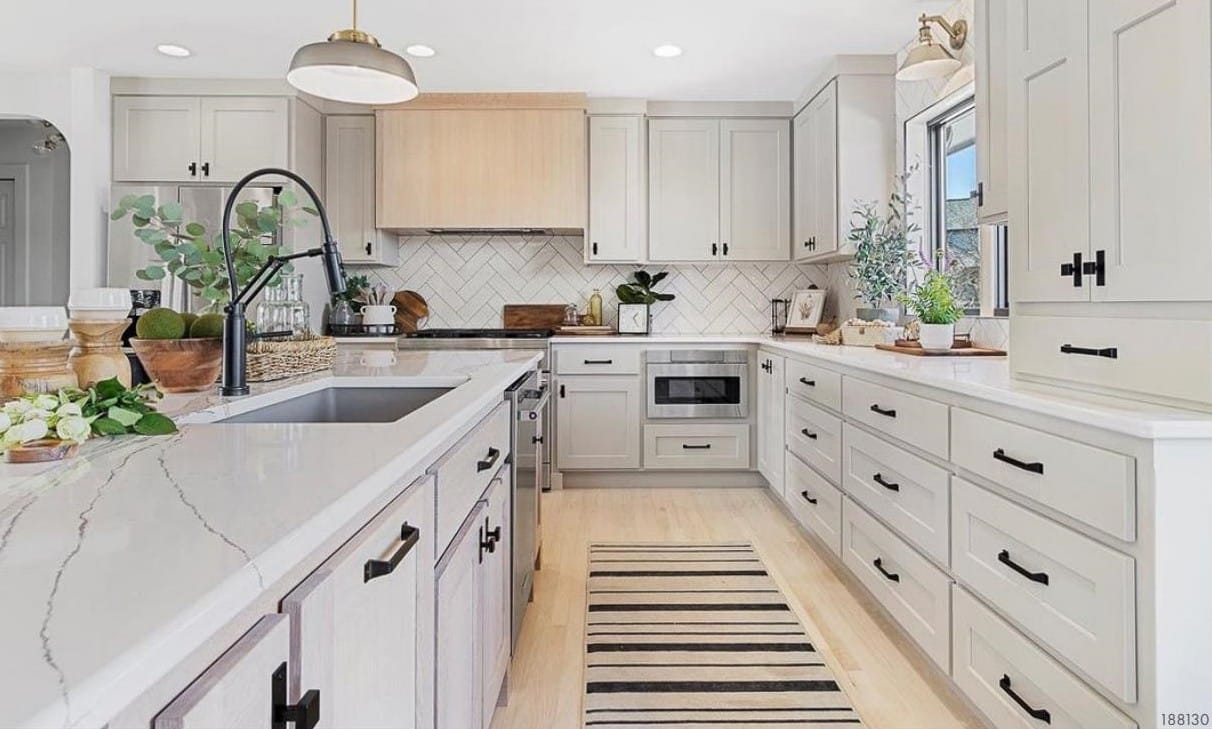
(352, 67)
(928, 59)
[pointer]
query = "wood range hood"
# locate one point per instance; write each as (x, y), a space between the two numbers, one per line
(474, 164)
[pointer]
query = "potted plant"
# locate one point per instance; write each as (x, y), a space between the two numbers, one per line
(638, 296)
(937, 309)
(882, 253)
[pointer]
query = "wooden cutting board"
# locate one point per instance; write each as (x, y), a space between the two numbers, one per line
(410, 309)
(916, 350)
(532, 316)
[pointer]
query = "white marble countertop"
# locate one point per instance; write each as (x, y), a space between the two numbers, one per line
(115, 565)
(986, 378)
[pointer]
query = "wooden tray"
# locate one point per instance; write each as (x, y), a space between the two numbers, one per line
(916, 350)
(587, 331)
(532, 316)
(41, 451)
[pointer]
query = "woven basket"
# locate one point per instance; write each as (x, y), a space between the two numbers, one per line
(276, 360)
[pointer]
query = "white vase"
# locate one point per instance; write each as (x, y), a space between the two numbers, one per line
(936, 337)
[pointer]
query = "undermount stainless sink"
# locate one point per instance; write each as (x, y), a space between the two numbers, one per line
(344, 405)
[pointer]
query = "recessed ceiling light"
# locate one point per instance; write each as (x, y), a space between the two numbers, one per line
(176, 51)
(420, 51)
(667, 51)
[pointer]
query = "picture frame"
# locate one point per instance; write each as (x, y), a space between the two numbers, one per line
(633, 318)
(805, 311)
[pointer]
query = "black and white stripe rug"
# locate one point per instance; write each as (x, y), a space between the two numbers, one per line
(699, 635)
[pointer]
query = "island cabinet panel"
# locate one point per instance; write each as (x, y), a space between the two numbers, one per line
(598, 422)
(481, 168)
(465, 471)
(238, 689)
(459, 649)
(357, 623)
(496, 589)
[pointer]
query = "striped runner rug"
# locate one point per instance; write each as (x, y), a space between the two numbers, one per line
(699, 635)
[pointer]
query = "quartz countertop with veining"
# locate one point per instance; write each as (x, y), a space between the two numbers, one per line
(984, 378)
(117, 564)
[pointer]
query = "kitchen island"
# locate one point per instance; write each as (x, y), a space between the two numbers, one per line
(123, 569)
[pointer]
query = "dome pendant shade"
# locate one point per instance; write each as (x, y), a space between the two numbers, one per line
(927, 61)
(352, 68)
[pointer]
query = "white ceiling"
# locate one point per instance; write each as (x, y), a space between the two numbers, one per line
(734, 49)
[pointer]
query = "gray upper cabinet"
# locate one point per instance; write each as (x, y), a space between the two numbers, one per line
(616, 189)
(989, 28)
(349, 191)
(845, 146)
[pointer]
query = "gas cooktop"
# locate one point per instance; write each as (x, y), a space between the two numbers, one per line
(480, 334)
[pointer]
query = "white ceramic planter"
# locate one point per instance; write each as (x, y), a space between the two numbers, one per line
(936, 337)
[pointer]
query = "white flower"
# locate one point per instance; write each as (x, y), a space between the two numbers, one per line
(25, 432)
(35, 414)
(5, 421)
(73, 428)
(46, 402)
(69, 410)
(15, 409)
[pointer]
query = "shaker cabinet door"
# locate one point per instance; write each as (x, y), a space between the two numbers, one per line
(684, 189)
(598, 422)
(755, 189)
(496, 592)
(349, 185)
(242, 134)
(156, 139)
(771, 410)
(616, 189)
(459, 641)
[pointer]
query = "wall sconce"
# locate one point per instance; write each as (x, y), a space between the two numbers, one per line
(928, 59)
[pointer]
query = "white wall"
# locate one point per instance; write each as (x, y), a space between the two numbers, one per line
(41, 261)
(77, 102)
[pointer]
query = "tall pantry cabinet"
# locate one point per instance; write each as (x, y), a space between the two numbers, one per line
(1110, 195)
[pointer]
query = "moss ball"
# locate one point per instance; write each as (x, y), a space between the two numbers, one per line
(207, 326)
(189, 318)
(160, 323)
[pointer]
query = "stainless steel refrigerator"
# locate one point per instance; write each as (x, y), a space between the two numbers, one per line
(201, 204)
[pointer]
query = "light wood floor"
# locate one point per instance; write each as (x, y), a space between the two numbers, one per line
(891, 685)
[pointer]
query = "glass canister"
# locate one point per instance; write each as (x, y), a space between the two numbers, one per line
(282, 310)
(298, 315)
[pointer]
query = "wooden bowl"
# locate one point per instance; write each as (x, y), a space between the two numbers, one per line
(41, 451)
(181, 365)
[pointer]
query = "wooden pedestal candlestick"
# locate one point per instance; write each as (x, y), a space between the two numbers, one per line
(97, 354)
(34, 367)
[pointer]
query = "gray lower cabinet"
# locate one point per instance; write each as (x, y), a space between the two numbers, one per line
(473, 618)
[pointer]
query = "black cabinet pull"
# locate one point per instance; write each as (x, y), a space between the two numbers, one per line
(561, 391)
(807, 382)
(881, 411)
(808, 498)
(368, 248)
(1038, 714)
(805, 244)
(891, 576)
(409, 536)
(980, 194)
(714, 249)
(206, 169)
(1036, 467)
(1097, 268)
(808, 434)
(725, 249)
(1108, 352)
(489, 462)
(193, 169)
(879, 478)
(1073, 270)
(303, 715)
(599, 361)
(595, 248)
(1040, 577)
(701, 447)
(536, 439)
(486, 545)
(493, 534)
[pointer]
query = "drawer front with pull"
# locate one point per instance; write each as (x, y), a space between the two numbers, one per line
(816, 437)
(1092, 485)
(694, 446)
(915, 592)
(1071, 592)
(466, 470)
(814, 383)
(815, 503)
(1015, 683)
(905, 491)
(912, 419)
(597, 360)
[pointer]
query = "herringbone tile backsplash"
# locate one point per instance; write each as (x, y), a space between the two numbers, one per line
(467, 280)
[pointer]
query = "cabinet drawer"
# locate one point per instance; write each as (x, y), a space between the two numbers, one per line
(695, 447)
(1071, 592)
(466, 470)
(815, 436)
(912, 419)
(905, 491)
(589, 360)
(1138, 344)
(1090, 484)
(815, 383)
(816, 504)
(914, 591)
(997, 667)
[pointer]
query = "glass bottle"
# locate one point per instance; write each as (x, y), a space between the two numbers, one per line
(595, 308)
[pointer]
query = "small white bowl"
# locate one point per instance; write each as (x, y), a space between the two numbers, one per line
(45, 318)
(109, 299)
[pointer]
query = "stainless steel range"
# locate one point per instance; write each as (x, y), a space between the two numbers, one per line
(531, 457)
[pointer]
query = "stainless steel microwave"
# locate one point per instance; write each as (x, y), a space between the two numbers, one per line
(698, 383)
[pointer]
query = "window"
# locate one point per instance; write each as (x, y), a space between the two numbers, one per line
(976, 256)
